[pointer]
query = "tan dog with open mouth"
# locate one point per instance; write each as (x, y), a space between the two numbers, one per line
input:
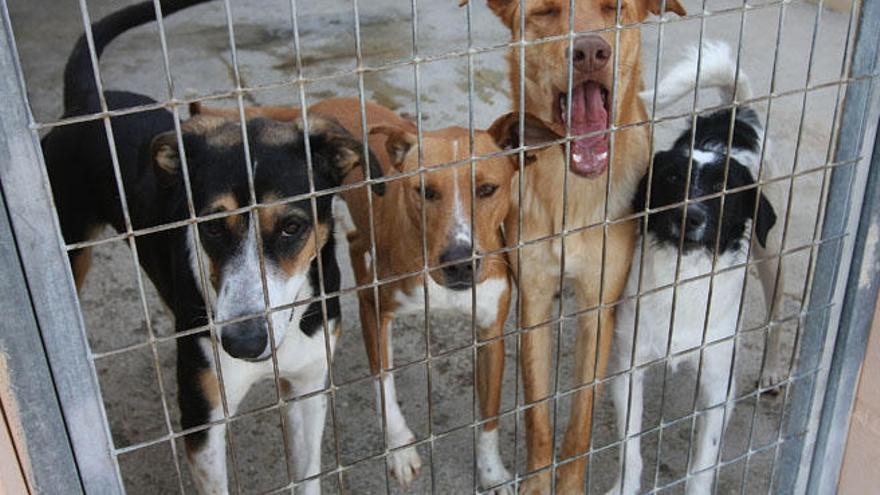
(463, 242)
(596, 255)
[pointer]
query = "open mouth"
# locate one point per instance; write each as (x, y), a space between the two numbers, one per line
(589, 115)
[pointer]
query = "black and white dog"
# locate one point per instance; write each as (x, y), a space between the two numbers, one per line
(248, 265)
(710, 237)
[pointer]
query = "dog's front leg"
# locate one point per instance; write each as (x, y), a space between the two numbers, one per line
(716, 369)
(490, 375)
(769, 269)
(403, 463)
(206, 449)
(305, 425)
(595, 332)
(537, 293)
(632, 460)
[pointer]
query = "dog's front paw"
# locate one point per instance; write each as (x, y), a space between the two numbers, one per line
(771, 378)
(538, 484)
(496, 481)
(405, 465)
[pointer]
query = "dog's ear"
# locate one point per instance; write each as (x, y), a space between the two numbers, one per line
(398, 143)
(505, 132)
(655, 6)
(504, 9)
(765, 218)
(343, 153)
(166, 157)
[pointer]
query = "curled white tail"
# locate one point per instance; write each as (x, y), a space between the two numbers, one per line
(717, 70)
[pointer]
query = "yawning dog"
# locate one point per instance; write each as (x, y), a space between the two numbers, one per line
(463, 243)
(248, 264)
(705, 245)
(562, 214)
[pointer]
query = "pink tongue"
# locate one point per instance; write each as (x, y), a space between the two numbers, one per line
(589, 155)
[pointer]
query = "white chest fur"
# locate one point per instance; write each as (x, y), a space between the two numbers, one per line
(442, 299)
(690, 298)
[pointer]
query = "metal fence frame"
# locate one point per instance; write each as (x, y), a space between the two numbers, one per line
(53, 383)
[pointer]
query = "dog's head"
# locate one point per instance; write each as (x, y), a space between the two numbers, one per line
(461, 215)
(587, 112)
(276, 238)
(703, 222)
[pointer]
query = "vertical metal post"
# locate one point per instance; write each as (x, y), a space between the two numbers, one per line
(27, 393)
(24, 184)
(849, 348)
(798, 451)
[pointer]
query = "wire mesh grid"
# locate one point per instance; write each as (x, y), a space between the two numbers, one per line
(445, 64)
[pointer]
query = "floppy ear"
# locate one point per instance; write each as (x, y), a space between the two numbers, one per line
(166, 157)
(502, 8)
(398, 143)
(505, 132)
(764, 220)
(344, 152)
(654, 6)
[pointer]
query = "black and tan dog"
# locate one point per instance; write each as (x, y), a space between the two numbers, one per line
(257, 261)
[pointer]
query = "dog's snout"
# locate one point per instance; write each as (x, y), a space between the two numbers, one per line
(463, 274)
(590, 53)
(245, 339)
(695, 222)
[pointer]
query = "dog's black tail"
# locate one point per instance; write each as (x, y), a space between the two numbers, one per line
(79, 79)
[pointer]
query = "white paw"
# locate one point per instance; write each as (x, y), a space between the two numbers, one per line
(404, 464)
(771, 378)
(494, 477)
(493, 480)
(632, 488)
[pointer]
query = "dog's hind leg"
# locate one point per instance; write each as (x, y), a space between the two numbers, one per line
(711, 421)
(490, 374)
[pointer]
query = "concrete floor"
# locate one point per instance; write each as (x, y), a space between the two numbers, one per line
(199, 54)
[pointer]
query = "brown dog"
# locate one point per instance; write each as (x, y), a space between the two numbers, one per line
(597, 255)
(463, 243)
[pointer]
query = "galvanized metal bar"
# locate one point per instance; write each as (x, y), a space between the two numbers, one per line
(797, 454)
(849, 349)
(28, 394)
(45, 265)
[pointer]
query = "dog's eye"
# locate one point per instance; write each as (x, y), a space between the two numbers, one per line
(486, 190)
(718, 187)
(429, 193)
(293, 228)
(212, 229)
(546, 12)
(611, 8)
(672, 178)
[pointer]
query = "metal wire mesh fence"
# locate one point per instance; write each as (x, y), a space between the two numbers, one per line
(451, 210)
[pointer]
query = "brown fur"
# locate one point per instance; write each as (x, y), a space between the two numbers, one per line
(397, 216)
(594, 257)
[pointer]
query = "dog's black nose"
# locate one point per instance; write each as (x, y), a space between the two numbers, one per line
(460, 275)
(590, 53)
(245, 339)
(695, 222)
